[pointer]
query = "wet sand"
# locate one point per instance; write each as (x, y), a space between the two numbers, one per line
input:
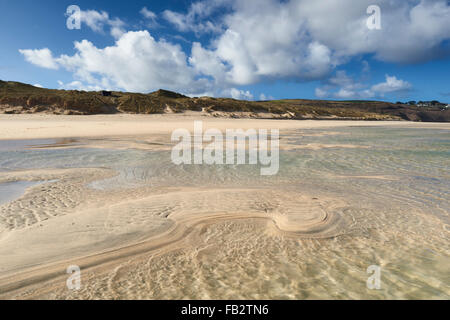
(233, 236)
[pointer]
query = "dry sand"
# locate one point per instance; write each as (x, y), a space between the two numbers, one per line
(42, 126)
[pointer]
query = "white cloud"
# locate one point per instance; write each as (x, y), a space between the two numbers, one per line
(414, 31)
(137, 62)
(260, 40)
(306, 40)
(98, 20)
(411, 30)
(276, 48)
(38, 85)
(78, 85)
(40, 57)
(392, 84)
(417, 27)
(345, 94)
(321, 93)
(148, 14)
(194, 19)
(207, 63)
(238, 94)
(342, 86)
(264, 39)
(341, 79)
(94, 19)
(177, 19)
(263, 97)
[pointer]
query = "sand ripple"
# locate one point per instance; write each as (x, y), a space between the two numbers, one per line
(340, 203)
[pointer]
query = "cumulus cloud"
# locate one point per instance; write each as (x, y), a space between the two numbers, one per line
(255, 41)
(195, 19)
(415, 31)
(265, 40)
(263, 97)
(207, 63)
(137, 62)
(392, 84)
(321, 93)
(78, 85)
(98, 20)
(306, 40)
(150, 16)
(238, 94)
(412, 30)
(40, 57)
(342, 86)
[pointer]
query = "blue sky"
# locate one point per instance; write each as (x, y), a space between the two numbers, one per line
(252, 50)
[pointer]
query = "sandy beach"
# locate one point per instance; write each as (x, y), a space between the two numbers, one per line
(243, 152)
(42, 126)
(139, 227)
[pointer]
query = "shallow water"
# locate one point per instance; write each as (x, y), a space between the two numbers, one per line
(395, 184)
(14, 190)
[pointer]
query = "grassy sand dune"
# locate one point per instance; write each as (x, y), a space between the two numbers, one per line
(21, 98)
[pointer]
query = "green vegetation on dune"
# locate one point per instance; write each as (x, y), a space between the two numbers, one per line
(17, 97)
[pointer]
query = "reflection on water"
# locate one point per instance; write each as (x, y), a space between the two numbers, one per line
(396, 183)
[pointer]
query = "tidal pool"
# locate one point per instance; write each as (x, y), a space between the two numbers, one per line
(389, 187)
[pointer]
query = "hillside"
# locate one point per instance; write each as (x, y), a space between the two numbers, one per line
(17, 97)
